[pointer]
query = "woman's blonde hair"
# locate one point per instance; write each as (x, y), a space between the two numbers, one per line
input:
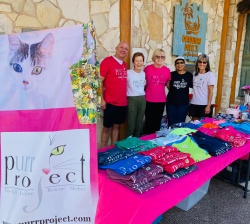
(157, 52)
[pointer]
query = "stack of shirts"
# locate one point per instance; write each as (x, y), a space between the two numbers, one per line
(190, 125)
(214, 146)
(113, 155)
(231, 135)
(242, 127)
(128, 165)
(169, 139)
(142, 180)
(135, 143)
(226, 117)
(171, 159)
(188, 145)
(228, 134)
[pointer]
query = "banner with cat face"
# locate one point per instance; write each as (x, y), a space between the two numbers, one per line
(48, 160)
(34, 68)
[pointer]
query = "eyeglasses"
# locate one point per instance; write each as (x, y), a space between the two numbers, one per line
(202, 62)
(160, 57)
(181, 62)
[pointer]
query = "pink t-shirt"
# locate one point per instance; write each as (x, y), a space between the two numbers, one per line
(115, 81)
(156, 80)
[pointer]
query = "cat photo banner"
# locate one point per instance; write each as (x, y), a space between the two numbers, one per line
(48, 160)
(34, 68)
(51, 185)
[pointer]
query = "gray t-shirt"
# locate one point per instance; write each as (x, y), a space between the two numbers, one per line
(135, 83)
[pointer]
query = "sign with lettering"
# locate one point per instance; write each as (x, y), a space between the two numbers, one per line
(45, 175)
(190, 25)
(48, 159)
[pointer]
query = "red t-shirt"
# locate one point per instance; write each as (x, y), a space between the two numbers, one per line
(115, 81)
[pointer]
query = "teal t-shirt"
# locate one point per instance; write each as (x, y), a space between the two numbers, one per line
(136, 144)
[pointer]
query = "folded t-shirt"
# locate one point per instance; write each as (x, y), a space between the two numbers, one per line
(128, 165)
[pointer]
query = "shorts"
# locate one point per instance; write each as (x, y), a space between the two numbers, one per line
(199, 111)
(114, 115)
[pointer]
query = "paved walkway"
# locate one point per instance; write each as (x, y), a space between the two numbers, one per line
(223, 204)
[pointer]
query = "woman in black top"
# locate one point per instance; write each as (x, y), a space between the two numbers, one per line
(178, 95)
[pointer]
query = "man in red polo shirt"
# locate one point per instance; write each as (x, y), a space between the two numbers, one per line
(113, 72)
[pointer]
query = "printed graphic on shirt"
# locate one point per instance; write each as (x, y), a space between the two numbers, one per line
(180, 84)
(121, 73)
(138, 83)
(199, 82)
(158, 79)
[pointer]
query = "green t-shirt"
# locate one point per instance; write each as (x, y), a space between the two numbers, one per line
(183, 131)
(189, 146)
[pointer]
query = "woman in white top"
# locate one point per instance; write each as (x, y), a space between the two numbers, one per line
(136, 96)
(201, 104)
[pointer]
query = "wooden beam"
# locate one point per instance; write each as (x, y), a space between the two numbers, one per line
(222, 55)
(241, 19)
(247, 12)
(125, 34)
(125, 24)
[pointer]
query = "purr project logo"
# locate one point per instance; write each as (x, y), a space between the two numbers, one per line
(44, 174)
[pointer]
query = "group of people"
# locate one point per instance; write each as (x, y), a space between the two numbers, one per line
(139, 92)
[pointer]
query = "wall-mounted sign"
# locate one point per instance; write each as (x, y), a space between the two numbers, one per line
(190, 25)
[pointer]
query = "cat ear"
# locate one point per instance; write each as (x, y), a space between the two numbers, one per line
(14, 42)
(46, 46)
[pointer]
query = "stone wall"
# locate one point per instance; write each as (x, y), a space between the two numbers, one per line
(152, 26)
(16, 15)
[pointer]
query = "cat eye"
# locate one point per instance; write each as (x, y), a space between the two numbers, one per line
(57, 150)
(37, 70)
(18, 68)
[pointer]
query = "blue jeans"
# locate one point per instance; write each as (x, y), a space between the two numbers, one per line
(176, 113)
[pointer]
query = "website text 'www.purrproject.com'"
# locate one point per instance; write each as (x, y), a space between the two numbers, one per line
(57, 220)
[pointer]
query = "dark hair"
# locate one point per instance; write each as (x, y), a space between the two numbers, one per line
(202, 57)
(137, 54)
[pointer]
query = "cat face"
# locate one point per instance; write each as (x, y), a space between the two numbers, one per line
(28, 62)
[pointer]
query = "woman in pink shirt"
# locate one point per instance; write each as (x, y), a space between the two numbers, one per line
(157, 78)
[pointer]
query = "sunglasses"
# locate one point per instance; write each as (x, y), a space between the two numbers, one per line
(160, 57)
(202, 62)
(178, 63)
